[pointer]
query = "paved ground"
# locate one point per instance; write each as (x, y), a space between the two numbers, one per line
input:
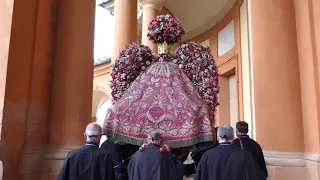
(189, 161)
(188, 178)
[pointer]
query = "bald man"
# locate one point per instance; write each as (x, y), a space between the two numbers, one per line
(88, 162)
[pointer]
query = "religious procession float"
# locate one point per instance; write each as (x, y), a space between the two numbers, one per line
(172, 93)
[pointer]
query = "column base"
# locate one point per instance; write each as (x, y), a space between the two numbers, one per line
(292, 166)
(287, 173)
(30, 165)
(53, 161)
(313, 166)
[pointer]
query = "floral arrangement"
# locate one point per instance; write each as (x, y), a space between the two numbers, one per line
(198, 63)
(132, 61)
(164, 57)
(165, 29)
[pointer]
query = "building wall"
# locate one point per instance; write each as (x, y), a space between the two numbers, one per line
(233, 100)
(102, 77)
(101, 86)
(301, 162)
(226, 34)
(247, 72)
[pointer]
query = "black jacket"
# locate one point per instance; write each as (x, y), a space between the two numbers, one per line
(254, 148)
(88, 162)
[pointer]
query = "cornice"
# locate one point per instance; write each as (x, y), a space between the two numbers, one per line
(102, 69)
(155, 4)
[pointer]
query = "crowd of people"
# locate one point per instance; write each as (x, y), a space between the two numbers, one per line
(232, 159)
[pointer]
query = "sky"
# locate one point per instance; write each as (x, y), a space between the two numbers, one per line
(103, 37)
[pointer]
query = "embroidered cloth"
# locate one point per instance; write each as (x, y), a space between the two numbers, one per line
(161, 99)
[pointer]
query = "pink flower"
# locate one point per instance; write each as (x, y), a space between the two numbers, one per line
(127, 67)
(194, 66)
(201, 70)
(165, 29)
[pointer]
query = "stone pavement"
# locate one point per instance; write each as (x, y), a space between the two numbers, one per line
(189, 178)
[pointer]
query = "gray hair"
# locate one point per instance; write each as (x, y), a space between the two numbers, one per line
(93, 131)
(154, 136)
(225, 132)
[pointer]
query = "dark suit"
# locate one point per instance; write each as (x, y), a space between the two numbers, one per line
(88, 162)
(228, 162)
(254, 148)
(152, 164)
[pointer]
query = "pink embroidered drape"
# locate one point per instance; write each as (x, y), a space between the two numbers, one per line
(163, 99)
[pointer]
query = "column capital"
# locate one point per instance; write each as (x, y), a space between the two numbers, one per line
(155, 4)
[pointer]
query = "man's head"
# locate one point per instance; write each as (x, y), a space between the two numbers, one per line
(242, 128)
(225, 134)
(93, 133)
(154, 137)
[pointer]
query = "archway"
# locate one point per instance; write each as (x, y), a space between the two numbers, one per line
(101, 114)
(101, 102)
(99, 95)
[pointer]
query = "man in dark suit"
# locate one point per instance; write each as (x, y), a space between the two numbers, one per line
(88, 162)
(227, 162)
(154, 162)
(245, 142)
(121, 155)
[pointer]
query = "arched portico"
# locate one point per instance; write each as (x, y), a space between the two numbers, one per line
(99, 96)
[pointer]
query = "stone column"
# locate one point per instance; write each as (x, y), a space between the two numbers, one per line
(25, 84)
(308, 76)
(71, 97)
(308, 32)
(125, 28)
(276, 86)
(151, 9)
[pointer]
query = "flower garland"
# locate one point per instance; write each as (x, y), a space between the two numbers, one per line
(164, 28)
(132, 61)
(198, 63)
